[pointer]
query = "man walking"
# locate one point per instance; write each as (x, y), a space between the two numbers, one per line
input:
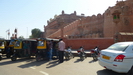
(61, 50)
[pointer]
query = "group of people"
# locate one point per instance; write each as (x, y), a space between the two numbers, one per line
(61, 49)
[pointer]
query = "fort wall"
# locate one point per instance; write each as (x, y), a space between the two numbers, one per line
(115, 23)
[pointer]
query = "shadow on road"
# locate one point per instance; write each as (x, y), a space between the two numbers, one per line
(26, 62)
(52, 63)
(78, 60)
(92, 61)
(108, 72)
(33, 63)
(12, 62)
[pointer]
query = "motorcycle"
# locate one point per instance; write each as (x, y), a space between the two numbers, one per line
(95, 53)
(68, 54)
(81, 53)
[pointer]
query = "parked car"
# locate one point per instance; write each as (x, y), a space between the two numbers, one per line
(118, 57)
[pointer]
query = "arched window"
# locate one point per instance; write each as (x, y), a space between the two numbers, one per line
(116, 16)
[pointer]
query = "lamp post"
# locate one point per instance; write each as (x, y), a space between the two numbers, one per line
(8, 33)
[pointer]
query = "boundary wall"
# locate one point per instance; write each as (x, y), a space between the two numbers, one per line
(88, 44)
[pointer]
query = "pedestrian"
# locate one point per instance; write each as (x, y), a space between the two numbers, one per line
(51, 49)
(61, 50)
(28, 47)
(25, 47)
(47, 50)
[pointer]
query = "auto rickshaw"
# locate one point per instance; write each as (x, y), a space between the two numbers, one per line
(5, 48)
(24, 48)
(42, 48)
(2, 47)
(9, 47)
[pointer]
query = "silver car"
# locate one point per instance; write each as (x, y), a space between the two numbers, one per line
(118, 57)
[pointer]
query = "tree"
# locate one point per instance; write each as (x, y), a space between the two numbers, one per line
(35, 33)
(21, 37)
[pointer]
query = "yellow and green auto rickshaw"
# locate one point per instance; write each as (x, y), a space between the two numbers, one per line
(43, 48)
(5, 48)
(9, 47)
(2, 47)
(24, 48)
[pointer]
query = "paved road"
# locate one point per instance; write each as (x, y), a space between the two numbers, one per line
(69, 67)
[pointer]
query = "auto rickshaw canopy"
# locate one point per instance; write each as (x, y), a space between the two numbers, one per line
(19, 42)
(42, 42)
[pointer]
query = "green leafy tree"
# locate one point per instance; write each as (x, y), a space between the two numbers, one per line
(35, 33)
(21, 37)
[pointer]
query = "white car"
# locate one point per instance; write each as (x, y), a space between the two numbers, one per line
(118, 57)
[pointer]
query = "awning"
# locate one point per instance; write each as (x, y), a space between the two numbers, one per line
(125, 33)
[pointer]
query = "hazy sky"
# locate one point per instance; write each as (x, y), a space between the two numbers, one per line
(26, 15)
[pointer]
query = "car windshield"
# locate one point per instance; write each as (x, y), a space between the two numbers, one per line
(118, 47)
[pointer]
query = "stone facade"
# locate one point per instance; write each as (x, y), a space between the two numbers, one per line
(115, 22)
(81, 26)
(118, 21)
(59, 22)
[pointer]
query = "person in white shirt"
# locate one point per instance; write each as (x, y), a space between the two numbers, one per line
(61, 50)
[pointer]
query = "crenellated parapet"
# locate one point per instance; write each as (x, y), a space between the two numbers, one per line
(85, 27)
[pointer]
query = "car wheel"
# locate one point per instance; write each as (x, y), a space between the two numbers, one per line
(130, 72)
(13, 58)
(8, 55)
(38, 58)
